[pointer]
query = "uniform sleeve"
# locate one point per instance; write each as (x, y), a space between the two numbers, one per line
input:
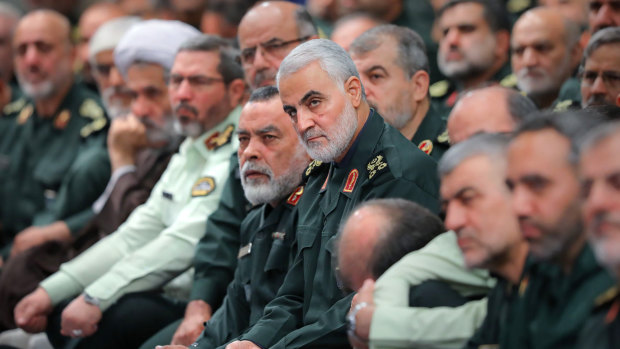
(216, 254)
(441, 327)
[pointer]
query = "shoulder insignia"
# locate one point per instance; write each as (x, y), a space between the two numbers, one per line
(14, 106)
(439, 89)
(375, 165)
(351, 180)
(516, 6)
(426, 146)
(25, 114)
(203, 186)
(609, 295)
(313, 165)
(62, 119)
(91, 110)
(217, 139)
(509, 81)
(444, 137)
(563, 105)
(293, 199)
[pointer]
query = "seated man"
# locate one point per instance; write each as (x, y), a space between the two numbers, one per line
(151, 247)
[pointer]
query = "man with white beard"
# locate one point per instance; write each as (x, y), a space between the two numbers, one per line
(473, 49)
(545, 53)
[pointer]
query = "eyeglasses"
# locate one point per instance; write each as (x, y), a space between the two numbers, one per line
(610, 78)
(272, 48)
(194, 80)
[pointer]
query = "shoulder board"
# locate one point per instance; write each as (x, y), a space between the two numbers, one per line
(377, 164)
(313, 168)
(293, 199)
(444, 137)
(509, 81)
(606, 297)
(516, 6)
(439, 89)
(14, 106)
(91, 110)
(217, 139)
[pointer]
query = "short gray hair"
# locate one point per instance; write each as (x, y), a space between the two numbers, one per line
(606, 36)
(229, 66)
(332, 58)
(599, 134)
(411, 54)
(491, 145)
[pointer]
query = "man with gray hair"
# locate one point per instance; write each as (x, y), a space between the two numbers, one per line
(394, 69)
(600, 68)
(492, 109)
(151, 248)
(357, 157)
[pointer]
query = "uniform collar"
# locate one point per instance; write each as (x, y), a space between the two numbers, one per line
(431, 126)
(364, 144)
(199, 144)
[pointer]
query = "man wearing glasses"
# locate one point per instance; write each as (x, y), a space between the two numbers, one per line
(267, 33)
(600, 70)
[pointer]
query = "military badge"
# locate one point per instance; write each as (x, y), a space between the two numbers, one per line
(563, 105)
(351, 180)
(14, 106)
(426, 146)
(293, 199)
(509, 81)
(439, 89)
(24, 115)
(523, 285)
(203, 186)
(91, 110)
(444, 137)
(62, 119)
(314, 164)
(244, 251)
(375, 165)
(217, 139)
(278, 235)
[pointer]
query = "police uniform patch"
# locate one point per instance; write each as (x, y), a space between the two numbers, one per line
(293, 199)
(375, 165)
(203, 186)
(426, 146)
(351, 180)
(217, 139)
(62, 119)
(314, 164)
(24, 115)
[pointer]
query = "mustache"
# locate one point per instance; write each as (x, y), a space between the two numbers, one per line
(608, 218)
(186, 106)
(264, 75)
(596, 99)
(312, 132)
(255, 167)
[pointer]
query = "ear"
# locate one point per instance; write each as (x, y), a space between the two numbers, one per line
(353, 89)
(503, 43)
(236, 92)
(575, 54)
(419, 83)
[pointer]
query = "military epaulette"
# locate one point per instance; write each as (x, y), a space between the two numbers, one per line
(377, 164)
(516, 6)
(439, 89)
(444, 138)
(14, 106)
(509, 81)
(314, 167)
(217, 140)
(607, 297)
(91, 110)
(293, 199)
(566, 105)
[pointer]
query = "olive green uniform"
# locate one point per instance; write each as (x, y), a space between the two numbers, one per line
(602, 329)
(58, 165)
(431, 136)
(555, 306)
(309, 309)
(445, 93)
(569, 96)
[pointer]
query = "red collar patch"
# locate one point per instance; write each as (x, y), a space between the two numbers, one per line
(293, 199)
(351, 180)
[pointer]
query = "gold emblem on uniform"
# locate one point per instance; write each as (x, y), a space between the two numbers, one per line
(14, 106)
(439, 89)
(351, 180)
(244, 251)
(293, 199)
(62, 119)
(91, 109)
(377, 164)
(444, 137)
(523, 285)
(426, 146)
(314, 164)
(509, 81)
(24, 115)
(563, 105)
(203, 186)
(217, 139)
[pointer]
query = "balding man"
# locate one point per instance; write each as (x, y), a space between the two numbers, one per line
(491, 109)
(267, 33)
(92, 18)
(57, 163)
(545, 53)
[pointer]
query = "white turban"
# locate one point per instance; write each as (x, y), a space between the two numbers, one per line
(154, 41)
(109, 34)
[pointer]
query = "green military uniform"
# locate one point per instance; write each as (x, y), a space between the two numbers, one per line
(58, 165)
(310, 308)
(555, 306)
(602, 330)
(267, 236)
(431, 136)
(445, 93)
(569, 96)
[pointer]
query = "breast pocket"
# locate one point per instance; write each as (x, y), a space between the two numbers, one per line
(280, 254)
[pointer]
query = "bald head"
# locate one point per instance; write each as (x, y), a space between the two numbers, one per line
(56, 24)
(492, 109)
(575, 10)
(267, 25)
